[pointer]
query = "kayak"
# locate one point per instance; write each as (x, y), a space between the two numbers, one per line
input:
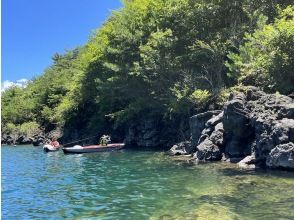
(49, 148)
(77, 149)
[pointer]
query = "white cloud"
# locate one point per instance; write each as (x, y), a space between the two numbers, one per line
(23, 81)
(7, 84)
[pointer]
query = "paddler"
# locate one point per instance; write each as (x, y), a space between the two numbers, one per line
(54, 143)
(104, 140)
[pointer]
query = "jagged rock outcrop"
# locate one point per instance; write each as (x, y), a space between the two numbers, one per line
(207, 151)
(237, 129)
(198, 123)
(253, 126)
(210, 143)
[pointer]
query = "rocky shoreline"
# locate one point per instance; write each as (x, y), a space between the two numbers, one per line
(15, 139)
(254, 129)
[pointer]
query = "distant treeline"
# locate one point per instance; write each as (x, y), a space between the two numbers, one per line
(166, 57)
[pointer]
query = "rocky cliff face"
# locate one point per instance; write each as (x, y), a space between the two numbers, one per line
(153, 132)
(254, 129)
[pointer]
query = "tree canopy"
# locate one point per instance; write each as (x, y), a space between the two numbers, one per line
(165, 57)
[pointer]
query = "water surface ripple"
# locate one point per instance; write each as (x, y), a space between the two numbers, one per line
(137, 185)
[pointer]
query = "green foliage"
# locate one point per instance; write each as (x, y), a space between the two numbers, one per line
(40, 99)
(16, 108)
(200, 97)
(158, 53)
(29, 128)
(165, 57)
(267, 57)
(10, 128)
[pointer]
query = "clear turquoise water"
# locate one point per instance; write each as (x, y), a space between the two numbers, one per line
(137, 185)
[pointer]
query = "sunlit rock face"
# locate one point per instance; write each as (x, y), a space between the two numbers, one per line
(252, 123)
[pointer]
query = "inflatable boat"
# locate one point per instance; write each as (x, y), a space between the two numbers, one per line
(50, 148)
(77, 149)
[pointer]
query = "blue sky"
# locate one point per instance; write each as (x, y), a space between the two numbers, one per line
(33, 30)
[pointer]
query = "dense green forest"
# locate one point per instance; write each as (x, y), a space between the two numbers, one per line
(167, 59)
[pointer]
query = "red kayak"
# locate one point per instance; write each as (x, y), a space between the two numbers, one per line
(77, 149)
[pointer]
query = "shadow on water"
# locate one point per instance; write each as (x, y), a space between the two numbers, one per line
(259, 171)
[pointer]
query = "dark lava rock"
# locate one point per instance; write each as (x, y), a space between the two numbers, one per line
(22, 139)
(237, 130)
(7, 139)
(153, 131)
(182, 148)
(254, 127)
(207, 151)
(145, 132)
(286, 111)
(38, 140)
(217, 136)
(282, 156)
(283, 131)
(197, 124)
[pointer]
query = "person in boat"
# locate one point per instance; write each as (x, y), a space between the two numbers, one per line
(54, 143)
(104, 140)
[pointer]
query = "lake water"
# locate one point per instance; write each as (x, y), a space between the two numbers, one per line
(137, 185)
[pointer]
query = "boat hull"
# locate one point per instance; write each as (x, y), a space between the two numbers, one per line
(92, 149)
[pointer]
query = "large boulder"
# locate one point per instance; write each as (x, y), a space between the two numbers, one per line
(207, 151)
(237, 130)
(236, 117)
(283, 131)
(198, 123)
(270, 133)
(282, 156)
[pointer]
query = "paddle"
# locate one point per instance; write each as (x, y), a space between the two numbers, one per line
(78, 141)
